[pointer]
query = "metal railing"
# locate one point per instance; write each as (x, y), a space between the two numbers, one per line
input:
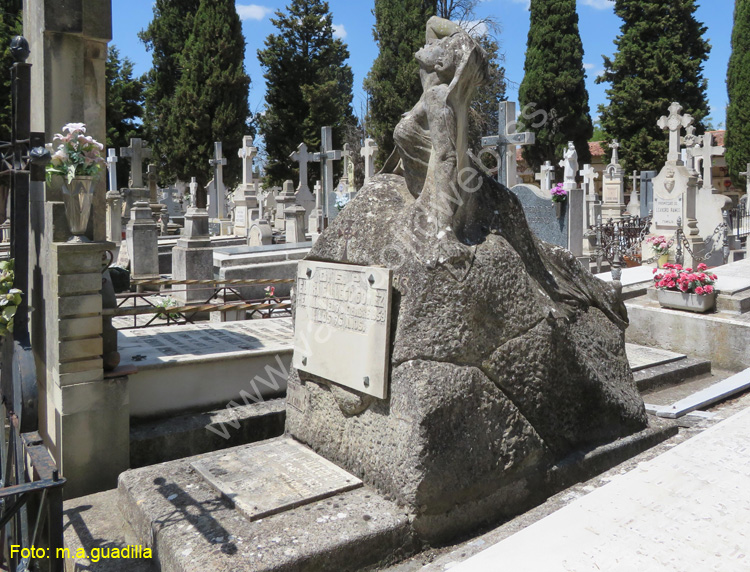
(739, 221)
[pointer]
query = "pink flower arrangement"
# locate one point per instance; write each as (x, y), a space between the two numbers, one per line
(559, 194)
(659, 244)
(270, 291)
(675, 277)
(78, 155)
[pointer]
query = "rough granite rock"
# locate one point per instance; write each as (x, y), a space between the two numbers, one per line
(499, 367)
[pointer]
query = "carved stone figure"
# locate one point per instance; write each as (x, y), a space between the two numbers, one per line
(570, 164)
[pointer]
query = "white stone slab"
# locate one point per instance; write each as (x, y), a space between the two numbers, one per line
(641, 357)
(630, 276)
(713, 394)
(342, 328)
(683, 511)
(273, 476)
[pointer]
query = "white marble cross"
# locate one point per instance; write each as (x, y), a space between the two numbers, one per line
(137, 153)
(112, 166)
(746, 174)
(247, 153)
(326, 157)
(218, 163)
(505, 143)
(589, 175)
(615, 146)
(545, 176)
(368, 152)
(193, 192)
(705, 153)
(303, 157)
(675, 123)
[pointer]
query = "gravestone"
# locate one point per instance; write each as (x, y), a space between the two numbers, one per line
(326, 157)
(613, 187)
(634, 204)
(112, 169)
(142, 241)
(314, 221)
(217, 208)
(546, 176)
(710, 203)
(137, 153)
(368, 152)
(246, 208)
(647, 192)
(548, 220)
(592, 207)
(114, 217)
(294, 224)
(505, 143)
(260, 233)
(304, 196)
(192, 257)
(284, 200)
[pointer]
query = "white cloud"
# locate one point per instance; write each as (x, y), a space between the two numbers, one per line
(527, 3)
(588, 66)
(252, 11)
(476, 28)
(339, 31)
(599, 4)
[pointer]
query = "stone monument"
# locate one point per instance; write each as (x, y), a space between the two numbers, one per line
(505, 143)
(443, 354)
(304, 196)
(245, 195)
(569, 163)
(368, 152)
(613, 188)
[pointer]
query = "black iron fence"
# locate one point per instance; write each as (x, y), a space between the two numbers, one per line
(739, 221)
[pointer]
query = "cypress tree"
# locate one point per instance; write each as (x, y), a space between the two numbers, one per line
(124, 104)
(165, 38)
(738, 87)
(659, 59)
(393, 84)
(211, 96)
(308, 85)
(10, 26)
(555, 82)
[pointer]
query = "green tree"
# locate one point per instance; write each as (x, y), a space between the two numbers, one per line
(555, 82)
(308, 85)
(738, 87)
(165, 38)
(124, 104)
(10, 26)
(393, 84)
(211, 96)
(483, 113)
(660, 55)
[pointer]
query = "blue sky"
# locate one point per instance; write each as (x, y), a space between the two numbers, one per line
(354, 21)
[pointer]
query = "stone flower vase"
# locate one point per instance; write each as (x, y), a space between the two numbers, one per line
(78, 196)
(559, 208)
(683, 301)
(663, 259)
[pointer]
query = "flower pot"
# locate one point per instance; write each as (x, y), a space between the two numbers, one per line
(663, 259)
(78, 196)
(559, 208)
(689, 302)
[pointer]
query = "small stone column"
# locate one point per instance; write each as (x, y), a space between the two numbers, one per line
(314, 222)
(142, 241)
(192, 257)
(295, 224)
(285, 199)
(114, 217)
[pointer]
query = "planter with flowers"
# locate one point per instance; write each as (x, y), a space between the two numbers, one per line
(78, 161)
(10, 298)
(682, 289)
(559, 196)
(660, 247)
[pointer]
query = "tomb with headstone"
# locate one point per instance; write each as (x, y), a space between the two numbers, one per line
(285, 199)
(613, 186)
(647, 192)
(676, 188)
(218, 202)
(326, 157)
(368, 153)
(304, 196)
(245, 195)
(142, 242)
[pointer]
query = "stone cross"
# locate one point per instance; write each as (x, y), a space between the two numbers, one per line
(634, 205)
(545, 176)
(705, 154)
(152, 184)
(137, 153)
(247, 153)
(218, 163)
(112, 166)
(193, 192)
(326, 157)
(505, 143)
(615, 146)
(746, 174)
(368, 152)
(348, 169)
(302, 157)
(589, 175)
(675, 123)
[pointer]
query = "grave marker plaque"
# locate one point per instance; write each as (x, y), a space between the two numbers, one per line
(342, 327)
(541, 214)
(667, 211)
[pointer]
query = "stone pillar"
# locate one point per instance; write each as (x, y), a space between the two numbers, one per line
(295, 224)
(68, 42)
(192, 257)
(142, 240)
(314, 221)
(84, 419)
(575, 222)
(114, 217)
(285, 199)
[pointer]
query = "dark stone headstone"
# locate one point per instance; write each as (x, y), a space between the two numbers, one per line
(541, 214)
(214, 228)
(647, 192)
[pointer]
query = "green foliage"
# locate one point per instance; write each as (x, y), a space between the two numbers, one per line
(165, 38)
(10, 26)
(483, 112)
(393, 84)
(124, 105)
(660, 55)
(598, 134)
(211, 96)
(738, 87)
(10, 297)
(308, 85)
(554, 82)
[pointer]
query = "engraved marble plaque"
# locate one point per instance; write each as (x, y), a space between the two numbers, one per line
(667, 211)
(342, 324)
(273, 476)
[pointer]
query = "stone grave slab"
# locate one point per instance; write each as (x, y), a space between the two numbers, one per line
(641, 357)
(208, 364)
(274, 476)
(347, 307)
(541, 214)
